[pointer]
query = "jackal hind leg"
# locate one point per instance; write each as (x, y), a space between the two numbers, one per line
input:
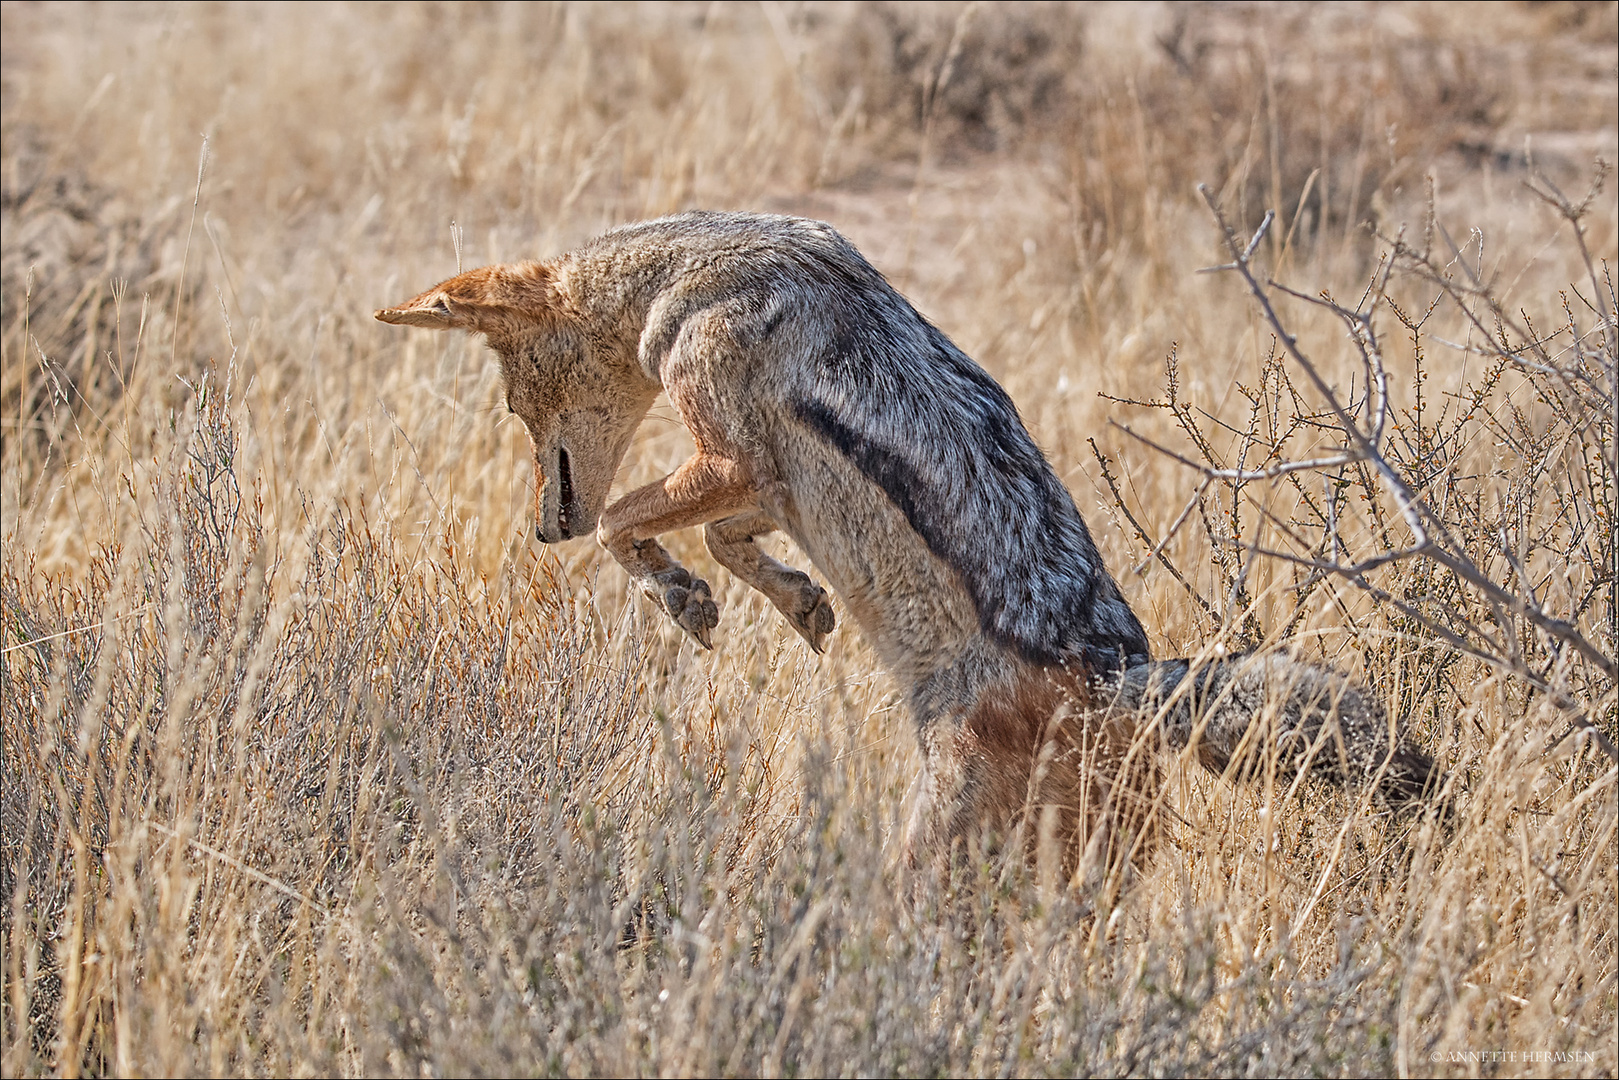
(805, 604)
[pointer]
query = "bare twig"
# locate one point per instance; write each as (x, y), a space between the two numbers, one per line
(1365, 449)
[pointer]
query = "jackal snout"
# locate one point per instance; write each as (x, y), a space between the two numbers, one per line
(572, 474)
(557, 513)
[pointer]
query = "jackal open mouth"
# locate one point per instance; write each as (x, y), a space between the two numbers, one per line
(565, 501)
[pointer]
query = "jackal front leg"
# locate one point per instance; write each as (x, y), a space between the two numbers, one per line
(808, 610)
(705, 488)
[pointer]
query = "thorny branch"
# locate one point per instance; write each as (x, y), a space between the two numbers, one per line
(1422, 460)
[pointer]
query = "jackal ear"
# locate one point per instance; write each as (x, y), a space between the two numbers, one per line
(489, 298)
(434, 310)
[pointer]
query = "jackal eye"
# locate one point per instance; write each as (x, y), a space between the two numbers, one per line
(442, 307)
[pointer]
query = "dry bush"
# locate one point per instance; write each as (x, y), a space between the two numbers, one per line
(312, 763)
(1492, 510)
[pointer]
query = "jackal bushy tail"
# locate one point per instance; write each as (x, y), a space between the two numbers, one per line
(1248, 713)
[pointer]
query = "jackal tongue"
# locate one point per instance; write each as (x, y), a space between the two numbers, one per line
(565, 499)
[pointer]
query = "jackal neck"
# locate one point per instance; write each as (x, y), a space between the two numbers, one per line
(614, 290)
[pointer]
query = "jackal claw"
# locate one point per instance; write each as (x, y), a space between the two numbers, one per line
(815, 618)
(690, 603)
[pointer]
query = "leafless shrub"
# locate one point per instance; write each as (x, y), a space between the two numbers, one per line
(1508, 561)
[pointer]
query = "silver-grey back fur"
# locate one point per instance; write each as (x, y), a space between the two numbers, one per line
(919, 419)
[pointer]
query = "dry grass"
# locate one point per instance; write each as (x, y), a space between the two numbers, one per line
(314, 764)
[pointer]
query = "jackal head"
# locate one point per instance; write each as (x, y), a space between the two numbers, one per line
(580, 393)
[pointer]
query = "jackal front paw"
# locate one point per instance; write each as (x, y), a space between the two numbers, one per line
(811, 614)
(688, 602)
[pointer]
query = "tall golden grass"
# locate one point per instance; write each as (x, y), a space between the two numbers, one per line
(313, 763)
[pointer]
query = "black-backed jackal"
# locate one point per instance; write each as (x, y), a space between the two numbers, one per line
(823, 405)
